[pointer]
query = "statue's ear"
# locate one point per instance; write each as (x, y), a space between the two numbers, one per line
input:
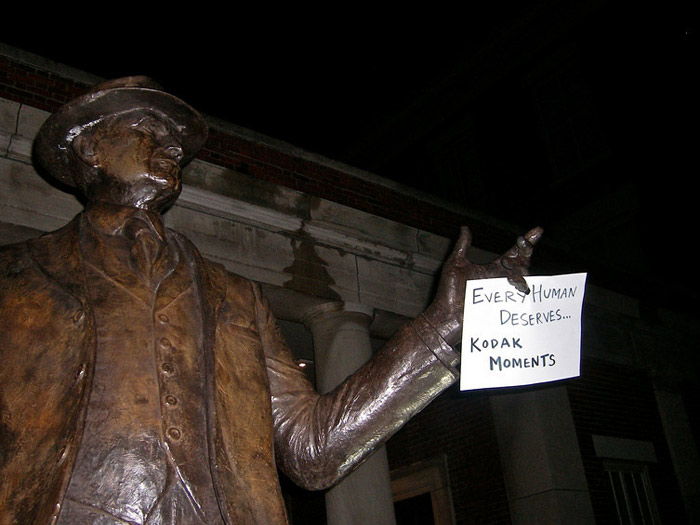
(84, 148)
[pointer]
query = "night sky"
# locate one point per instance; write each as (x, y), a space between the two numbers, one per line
(323, 81)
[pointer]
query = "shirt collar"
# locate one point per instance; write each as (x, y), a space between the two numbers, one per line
(110, 219)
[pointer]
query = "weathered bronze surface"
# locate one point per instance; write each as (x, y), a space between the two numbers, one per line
(140, 383)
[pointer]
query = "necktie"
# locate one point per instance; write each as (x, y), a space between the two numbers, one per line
(146, 247)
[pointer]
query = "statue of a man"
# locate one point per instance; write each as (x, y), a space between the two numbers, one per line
(142, 384)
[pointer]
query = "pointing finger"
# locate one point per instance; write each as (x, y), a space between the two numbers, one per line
(534, 235)
(519, 282)
(524, 245)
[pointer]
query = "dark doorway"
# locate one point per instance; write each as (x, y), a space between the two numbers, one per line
(417, 510)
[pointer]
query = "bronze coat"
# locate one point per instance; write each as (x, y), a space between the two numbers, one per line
(262, 412)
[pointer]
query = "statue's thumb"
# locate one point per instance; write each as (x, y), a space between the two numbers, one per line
(463, 243)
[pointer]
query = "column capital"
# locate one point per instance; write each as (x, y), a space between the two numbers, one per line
(335, 309)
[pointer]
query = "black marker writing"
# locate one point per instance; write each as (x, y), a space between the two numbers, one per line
(539, 293)
(531, 319)
(502, 363)
(502, 342)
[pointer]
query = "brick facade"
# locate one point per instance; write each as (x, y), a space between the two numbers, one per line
(617, 400)
(608, 399)
(48, 91)
(460, 427)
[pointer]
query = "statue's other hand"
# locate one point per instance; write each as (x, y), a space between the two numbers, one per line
(446, 312)
(515, 262)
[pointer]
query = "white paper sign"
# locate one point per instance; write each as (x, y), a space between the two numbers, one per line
(512, 339)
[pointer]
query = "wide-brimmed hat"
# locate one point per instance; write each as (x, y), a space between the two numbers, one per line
(52, 143)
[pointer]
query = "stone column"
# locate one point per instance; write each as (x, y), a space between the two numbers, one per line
(681, 445)
(341, 345)
(540, 457)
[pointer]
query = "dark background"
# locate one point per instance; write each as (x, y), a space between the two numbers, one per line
(580, 117)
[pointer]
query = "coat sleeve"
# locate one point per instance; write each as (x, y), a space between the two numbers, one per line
(319, 439)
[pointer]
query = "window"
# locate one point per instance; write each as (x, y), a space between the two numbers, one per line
(422, 493)
(632, 491)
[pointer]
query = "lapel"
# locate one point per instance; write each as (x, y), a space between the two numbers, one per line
(210, 280)
(211, 283)
(58, 255)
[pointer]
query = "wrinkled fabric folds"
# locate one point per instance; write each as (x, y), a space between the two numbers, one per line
(261, 411)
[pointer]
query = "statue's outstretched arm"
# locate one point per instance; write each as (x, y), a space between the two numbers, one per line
(321, 438)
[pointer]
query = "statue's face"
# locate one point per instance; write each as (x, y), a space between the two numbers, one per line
(137, 156)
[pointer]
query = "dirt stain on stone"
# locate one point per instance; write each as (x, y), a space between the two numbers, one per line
(309, 274)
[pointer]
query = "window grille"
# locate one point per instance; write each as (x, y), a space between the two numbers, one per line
(633, 493)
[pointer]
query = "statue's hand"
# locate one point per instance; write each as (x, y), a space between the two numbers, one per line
(446, 312)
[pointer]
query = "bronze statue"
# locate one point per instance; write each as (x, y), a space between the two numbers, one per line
(140, 383)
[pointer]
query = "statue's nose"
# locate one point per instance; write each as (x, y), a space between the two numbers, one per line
(174, 152)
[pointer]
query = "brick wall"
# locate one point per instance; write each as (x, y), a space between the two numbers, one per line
(40, 89)
(47, 90)
(461, 427)
(609, 399)
(263, 162)
(606, 400)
